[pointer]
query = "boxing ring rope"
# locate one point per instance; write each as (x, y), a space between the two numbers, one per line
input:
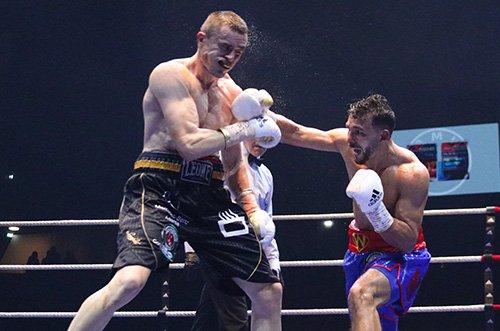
(487, 258)
(306, 263)
(305, 217)
(284, 312)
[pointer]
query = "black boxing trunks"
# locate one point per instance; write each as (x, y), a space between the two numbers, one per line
(168, 201)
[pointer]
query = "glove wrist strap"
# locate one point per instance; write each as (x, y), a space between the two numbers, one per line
(380, 218)
(243, 193)
(236, 133)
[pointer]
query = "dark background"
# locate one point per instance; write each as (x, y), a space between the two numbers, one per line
(72, 77)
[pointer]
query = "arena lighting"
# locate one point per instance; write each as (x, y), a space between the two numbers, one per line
(13, 228)
(328, 223)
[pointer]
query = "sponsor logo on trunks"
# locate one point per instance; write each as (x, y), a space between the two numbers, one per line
(131, 237)
(372, 257)
(376, 196)
(197, 171)
(413, 284)
(169, 241)
(175, 219)
(231, 224)
(361, 241)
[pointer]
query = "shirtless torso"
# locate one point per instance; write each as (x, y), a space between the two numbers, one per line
(189, 106)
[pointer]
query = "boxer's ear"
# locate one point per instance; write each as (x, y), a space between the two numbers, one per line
(385, 135)
(201, 37)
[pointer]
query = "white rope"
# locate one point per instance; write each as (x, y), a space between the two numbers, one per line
(310, 217)
(59, 222)
(434, 212)
(284, 312)
(69, 266)
(446, 309)
(459, 211)
(456, 259)
(56, 267)
(337, 263)
(309, 263)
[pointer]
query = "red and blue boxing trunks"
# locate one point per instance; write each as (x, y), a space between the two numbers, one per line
(405, 272)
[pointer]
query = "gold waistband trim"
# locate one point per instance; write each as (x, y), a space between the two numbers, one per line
(170, 166)
(162, 165)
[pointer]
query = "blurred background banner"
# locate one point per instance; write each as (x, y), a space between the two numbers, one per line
(460, 159)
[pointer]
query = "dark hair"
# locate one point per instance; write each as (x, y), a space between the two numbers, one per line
(376, 105)
(218, 19)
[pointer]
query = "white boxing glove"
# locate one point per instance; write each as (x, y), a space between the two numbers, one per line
(263, 128)
(251, 103)
(263, 226)
(366, 188)
(265, 99)
(266, 130)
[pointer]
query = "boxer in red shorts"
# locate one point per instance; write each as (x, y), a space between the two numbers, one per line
(387, 258)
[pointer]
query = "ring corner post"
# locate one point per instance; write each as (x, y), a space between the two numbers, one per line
(165, 296)
(488, 272)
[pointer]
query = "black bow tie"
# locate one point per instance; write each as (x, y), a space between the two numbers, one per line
(253, 159)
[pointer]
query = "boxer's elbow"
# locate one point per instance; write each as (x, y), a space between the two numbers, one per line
(191, 148)
(191, 152)
(407, 249)
(403, 243)
(187, 155)
(407, 246)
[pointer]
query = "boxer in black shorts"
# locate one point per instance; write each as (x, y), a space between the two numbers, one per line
(193, 111)
(168, 200)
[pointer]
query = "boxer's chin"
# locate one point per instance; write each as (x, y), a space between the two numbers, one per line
(360, 158)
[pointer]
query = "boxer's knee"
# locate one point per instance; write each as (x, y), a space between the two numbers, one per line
(270, 297)
(126, 284)
(360, 296)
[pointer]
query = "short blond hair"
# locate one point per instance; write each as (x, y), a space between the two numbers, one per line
(218, 19)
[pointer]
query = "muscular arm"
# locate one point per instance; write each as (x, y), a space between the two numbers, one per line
(301, 136)
(413, 186)
(236, 176)
(169, 86)
(334, 140)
